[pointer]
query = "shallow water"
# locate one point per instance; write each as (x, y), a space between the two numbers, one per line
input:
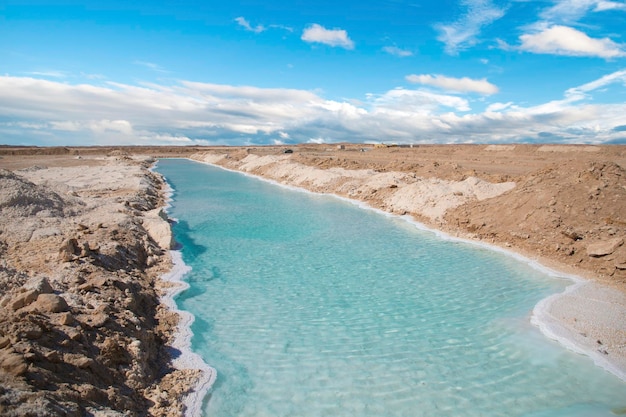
(308, 305)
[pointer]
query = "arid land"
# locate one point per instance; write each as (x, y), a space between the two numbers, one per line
(563, 206)
(83, 325)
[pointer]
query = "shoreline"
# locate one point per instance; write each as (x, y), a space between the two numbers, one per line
(186, 357)
(543, 314)
(555, 329)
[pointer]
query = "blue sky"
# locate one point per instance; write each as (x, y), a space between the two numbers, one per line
(265, 72)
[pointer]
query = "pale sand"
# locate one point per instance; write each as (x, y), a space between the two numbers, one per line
(109, 206)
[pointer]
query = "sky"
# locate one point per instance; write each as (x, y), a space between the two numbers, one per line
(254, 72)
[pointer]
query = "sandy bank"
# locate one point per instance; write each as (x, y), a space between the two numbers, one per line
(588, 318)
(82, 328)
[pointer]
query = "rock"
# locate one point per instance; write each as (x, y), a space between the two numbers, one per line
(78, 360)
(95, 319)
(94, 284)
(114, 352)
(65, 319)
(4, 342)
(69, 250)
(13, 363)
(158, 228)
(40, 284)
(604, 248)
(73, 334)
(53, 356)
(23, 299)
(32, 332)
(82, 362)
(572, 234)
(50, 303)
(87, 250)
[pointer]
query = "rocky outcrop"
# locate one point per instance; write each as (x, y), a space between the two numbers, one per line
(82, 331)
(604, 248)
(157, 225)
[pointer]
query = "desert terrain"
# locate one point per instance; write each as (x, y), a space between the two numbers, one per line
(562, 206)
(83, 327)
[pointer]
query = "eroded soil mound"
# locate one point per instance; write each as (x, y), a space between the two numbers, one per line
(81, 328)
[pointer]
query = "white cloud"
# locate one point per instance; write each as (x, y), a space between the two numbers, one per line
(394, 50)
(581, 92)
(571, 11)
(405, 101)
(332, 37)
(563, 40)
(246, 25)
(462, 85)
(464, 32)
(39, 111)
(496, 107)
(150, 65)
(68, 126)
(50, 74)
(96, 126)
(609, 5)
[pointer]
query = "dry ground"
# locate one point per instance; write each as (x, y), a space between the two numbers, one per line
(567, 197)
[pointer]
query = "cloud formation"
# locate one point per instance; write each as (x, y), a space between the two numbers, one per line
(150, 65)
(247, 26)
(571, 11)
(332, 37)
(461, 85)
(394, 50)
(464, 32)
(45, 112)
(563, 40)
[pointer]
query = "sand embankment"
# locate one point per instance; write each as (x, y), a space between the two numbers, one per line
(567, 216)
(82, 329)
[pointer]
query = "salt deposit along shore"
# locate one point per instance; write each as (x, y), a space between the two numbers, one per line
(88, 323)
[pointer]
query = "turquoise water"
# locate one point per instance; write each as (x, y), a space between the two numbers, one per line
(308, 305)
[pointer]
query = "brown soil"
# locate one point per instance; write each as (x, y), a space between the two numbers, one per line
(82, 330)
(567, 199)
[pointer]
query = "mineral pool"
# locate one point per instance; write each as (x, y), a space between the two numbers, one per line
(309, 305)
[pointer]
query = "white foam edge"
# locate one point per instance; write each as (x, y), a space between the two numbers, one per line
(540, 318)
(187, 359)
